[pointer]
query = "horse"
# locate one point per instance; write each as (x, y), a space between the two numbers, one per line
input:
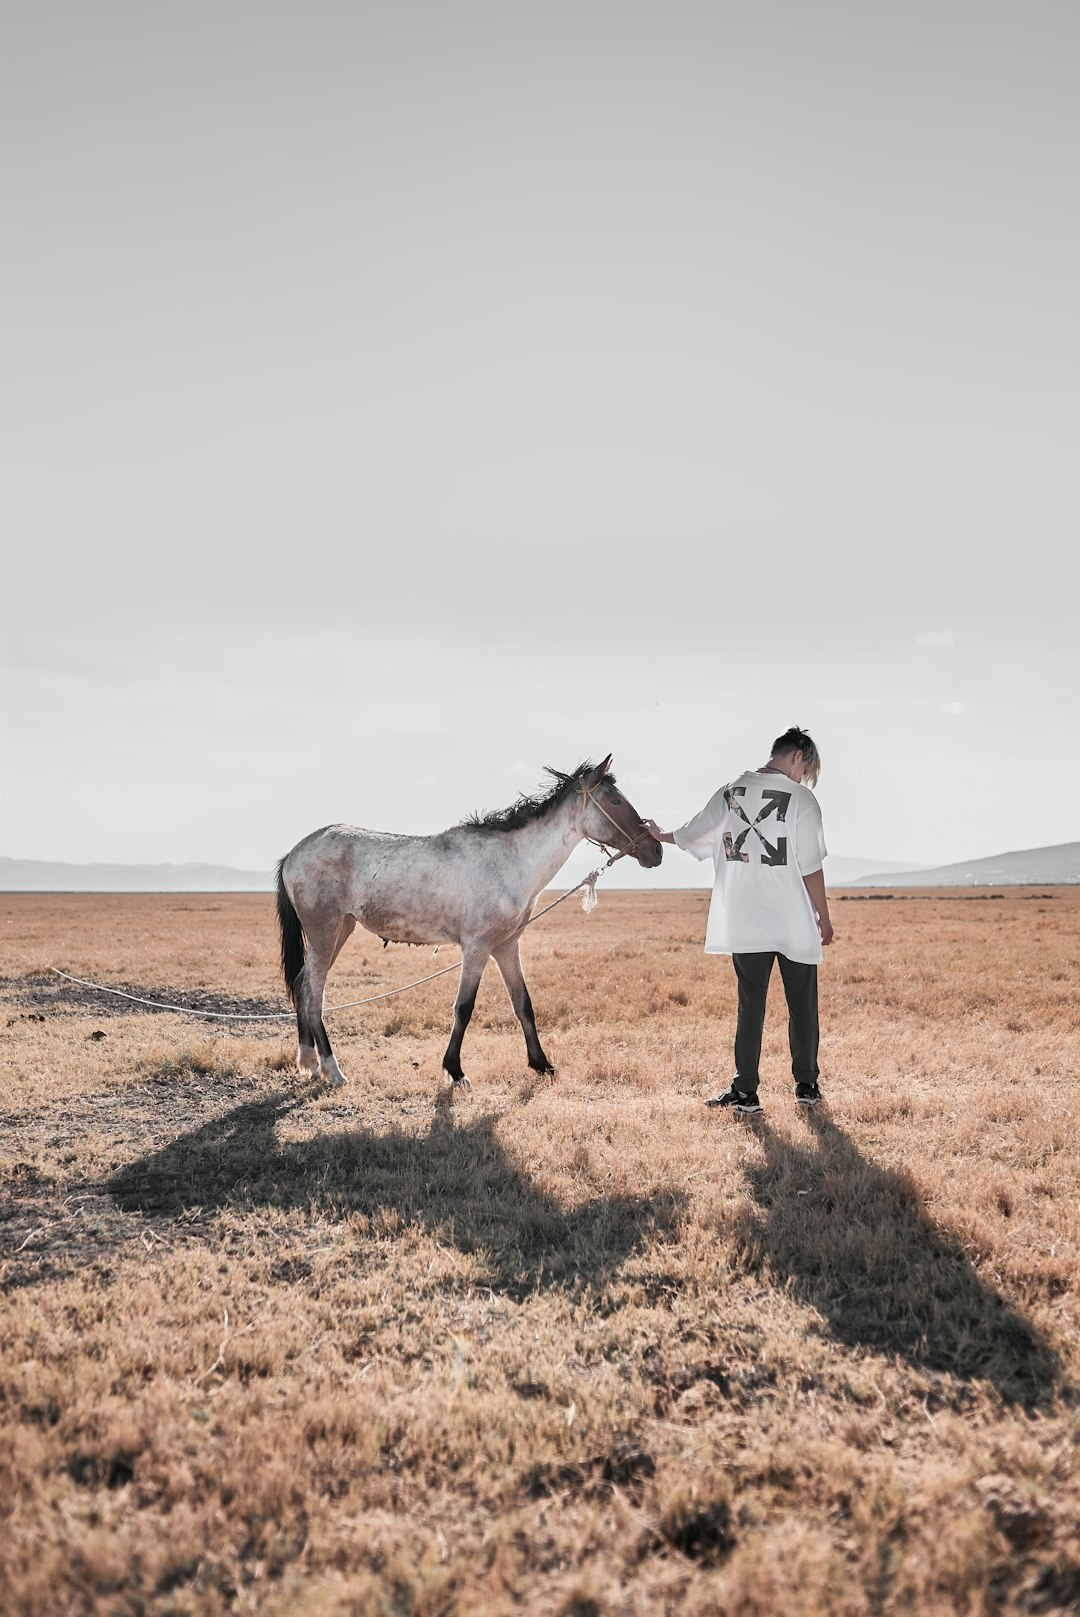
(474, 885)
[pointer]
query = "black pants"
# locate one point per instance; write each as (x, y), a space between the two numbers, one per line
(800, 989)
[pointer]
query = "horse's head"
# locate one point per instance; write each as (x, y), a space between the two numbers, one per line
(611, 819)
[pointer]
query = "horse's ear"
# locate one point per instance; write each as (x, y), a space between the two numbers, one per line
(595, 776)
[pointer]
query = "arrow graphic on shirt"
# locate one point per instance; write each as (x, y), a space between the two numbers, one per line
(773, 803)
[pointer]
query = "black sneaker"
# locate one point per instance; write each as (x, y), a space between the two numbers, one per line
(807, 1094)
(737, 1101)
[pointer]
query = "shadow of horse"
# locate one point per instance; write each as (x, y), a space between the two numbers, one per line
(855, 1242)
(456, 1182)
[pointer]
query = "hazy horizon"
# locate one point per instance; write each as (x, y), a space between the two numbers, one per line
(678, 870)
(1058, 865)
(397, 400)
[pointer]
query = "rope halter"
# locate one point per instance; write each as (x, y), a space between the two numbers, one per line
(587, 792)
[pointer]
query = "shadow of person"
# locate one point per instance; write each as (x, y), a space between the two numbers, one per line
(456, 1181)
(855, 1242)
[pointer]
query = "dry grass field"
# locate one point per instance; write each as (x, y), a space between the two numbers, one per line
(575, 1346)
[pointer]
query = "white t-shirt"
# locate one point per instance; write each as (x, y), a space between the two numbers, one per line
(764, 833)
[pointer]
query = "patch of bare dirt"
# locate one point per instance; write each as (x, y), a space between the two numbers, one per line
(41, 992)
(56, 1220)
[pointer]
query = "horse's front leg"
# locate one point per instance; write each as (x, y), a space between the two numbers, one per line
(473, 962)
(508, 960)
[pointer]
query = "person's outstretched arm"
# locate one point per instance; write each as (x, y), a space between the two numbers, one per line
(654, 831)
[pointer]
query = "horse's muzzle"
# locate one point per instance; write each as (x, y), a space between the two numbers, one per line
(649, 852)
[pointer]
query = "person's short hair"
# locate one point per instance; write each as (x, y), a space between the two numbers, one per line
(796, 739)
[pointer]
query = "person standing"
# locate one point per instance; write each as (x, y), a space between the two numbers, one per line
(763, 831)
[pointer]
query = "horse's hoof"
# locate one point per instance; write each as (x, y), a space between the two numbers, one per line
(461, 1083)
(333, 1077)
(545, 1072)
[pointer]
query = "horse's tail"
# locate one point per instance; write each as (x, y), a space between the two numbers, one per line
(292, 936)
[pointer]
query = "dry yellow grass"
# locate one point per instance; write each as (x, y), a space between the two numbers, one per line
(575, 1346)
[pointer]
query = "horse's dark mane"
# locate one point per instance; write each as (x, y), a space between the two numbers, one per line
(526, 809)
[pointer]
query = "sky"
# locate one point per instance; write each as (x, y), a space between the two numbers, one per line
(398, 398)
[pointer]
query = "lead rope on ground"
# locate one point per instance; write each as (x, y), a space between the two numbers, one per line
(588, 903)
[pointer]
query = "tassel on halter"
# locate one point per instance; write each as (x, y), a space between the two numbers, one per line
(589, 899)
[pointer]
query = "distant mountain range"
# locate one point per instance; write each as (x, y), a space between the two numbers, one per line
(1028, 867)
(841, 871)
(47, 876)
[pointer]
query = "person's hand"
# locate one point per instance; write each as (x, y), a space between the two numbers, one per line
(655, 832)
(825, 928)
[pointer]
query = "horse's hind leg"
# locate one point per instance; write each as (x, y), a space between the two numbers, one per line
(324, 945)
(307, 1056)
(508, 960)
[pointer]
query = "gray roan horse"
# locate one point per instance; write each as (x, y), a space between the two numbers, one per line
(473, 885)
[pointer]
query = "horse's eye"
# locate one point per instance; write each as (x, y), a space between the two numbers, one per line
(615, 798)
